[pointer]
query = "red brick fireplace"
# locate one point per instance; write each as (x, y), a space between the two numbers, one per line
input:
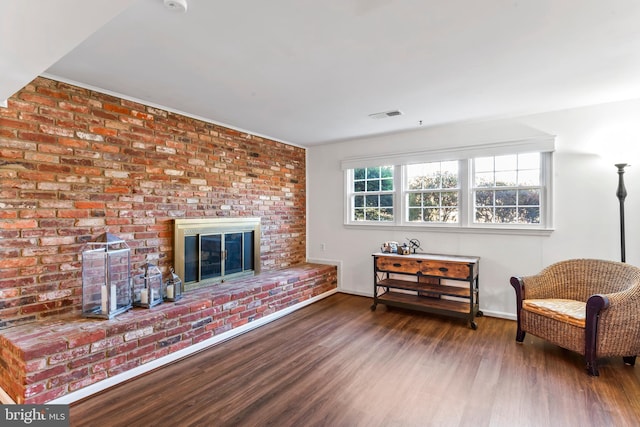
(75, 163)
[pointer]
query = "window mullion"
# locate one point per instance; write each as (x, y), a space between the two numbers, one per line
(546, 193)
(399, 175)
(465, 203)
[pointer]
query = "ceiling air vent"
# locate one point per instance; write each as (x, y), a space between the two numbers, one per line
(385, 114)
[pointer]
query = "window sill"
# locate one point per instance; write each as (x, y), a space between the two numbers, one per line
(456, 229)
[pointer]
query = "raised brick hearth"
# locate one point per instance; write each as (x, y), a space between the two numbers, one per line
(45, 360)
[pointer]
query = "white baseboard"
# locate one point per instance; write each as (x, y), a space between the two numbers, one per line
(358, 293)
(170, 358)
(488, 313)
(5, 399)
(499, 314)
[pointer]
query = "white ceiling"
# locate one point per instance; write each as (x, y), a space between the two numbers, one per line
(36, 33)
(310, 71)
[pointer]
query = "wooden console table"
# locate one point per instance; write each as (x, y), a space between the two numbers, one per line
(416, 282)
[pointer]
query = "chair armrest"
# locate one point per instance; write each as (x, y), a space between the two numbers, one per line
(595, 304)
(625, 297)
(536, 286)
(620, 306)
(518, 286)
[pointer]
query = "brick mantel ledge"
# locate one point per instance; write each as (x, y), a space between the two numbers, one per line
(46, 360)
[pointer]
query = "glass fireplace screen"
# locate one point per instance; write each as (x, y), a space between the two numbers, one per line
(217, 255)
(209, 250)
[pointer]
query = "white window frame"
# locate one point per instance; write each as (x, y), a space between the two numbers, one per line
(406, 192)
(352, 194)
(545, 199)
(464, 155)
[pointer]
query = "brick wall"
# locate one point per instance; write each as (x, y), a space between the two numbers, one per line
(75, 162)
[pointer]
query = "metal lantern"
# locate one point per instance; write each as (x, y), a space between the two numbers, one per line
(173, 287)
(106, 277)
(147, 287)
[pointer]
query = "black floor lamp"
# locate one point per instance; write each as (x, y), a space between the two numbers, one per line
(622, 194)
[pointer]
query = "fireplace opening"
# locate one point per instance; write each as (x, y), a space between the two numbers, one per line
(210, 250)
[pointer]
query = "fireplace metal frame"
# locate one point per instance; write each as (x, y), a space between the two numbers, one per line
(205, 226)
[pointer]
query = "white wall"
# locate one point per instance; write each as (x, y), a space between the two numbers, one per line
(586, 213)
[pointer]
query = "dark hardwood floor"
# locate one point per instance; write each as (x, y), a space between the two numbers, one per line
(336, 363)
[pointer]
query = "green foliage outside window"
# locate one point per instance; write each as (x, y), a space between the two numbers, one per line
(373, 189)
(507, 189)
(437, 202)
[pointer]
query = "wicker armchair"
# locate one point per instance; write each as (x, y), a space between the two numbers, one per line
(585, 305)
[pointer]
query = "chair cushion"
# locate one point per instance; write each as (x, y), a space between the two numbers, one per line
(563, 310)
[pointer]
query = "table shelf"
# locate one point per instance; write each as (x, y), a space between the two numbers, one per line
(420, 284)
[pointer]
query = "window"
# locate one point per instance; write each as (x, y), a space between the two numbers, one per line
(505, 186)
(372, 194)
(433, 192)
(507, 189)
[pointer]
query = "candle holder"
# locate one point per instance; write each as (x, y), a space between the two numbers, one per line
(173, 288)
(106, 277)
(147, 287)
